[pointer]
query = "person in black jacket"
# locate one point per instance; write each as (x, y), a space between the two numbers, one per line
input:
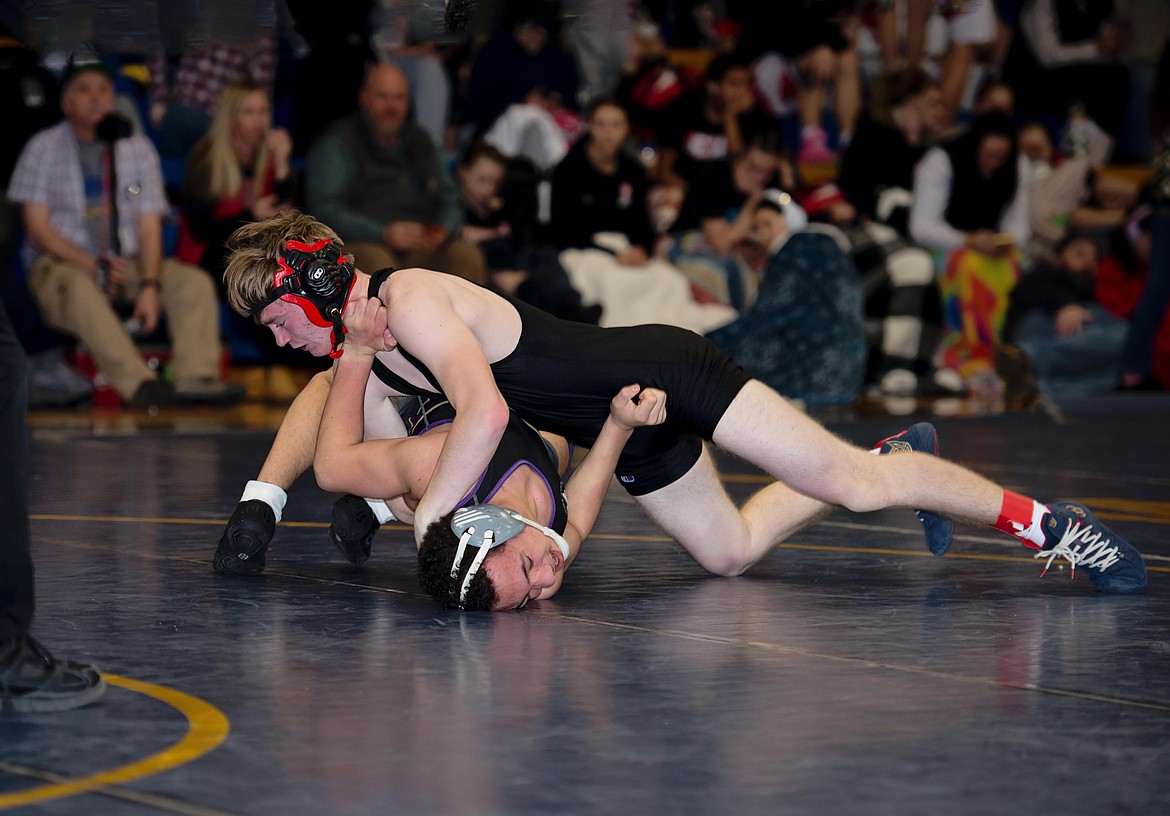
(877, 170)
(496, 221)
(873, 191)
(524, 61)
(1054, 316)
(599, 188)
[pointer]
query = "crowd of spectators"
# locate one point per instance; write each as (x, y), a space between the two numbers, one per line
(905, 186)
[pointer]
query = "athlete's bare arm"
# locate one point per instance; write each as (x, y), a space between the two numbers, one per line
(423, 314)
(585, 491)
(345, 461)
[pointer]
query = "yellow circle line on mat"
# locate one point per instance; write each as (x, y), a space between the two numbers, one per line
(207, 727)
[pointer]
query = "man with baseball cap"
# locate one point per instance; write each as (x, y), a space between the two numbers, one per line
(92, 200)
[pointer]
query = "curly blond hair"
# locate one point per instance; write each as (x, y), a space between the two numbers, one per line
(254, 250)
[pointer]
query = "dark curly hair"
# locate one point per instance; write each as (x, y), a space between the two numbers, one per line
(438, 549)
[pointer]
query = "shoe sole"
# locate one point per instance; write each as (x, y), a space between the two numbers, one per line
(354, 548)
(227, 561)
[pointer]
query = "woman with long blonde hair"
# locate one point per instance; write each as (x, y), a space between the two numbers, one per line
(238, 173)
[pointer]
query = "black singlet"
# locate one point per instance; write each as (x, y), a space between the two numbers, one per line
(562, 375)
(520, 445)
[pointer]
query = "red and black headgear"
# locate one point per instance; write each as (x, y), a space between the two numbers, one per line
(318, 279)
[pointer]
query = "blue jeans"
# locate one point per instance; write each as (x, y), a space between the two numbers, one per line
(1133, 142)
(1138, 356)
(1080, 364)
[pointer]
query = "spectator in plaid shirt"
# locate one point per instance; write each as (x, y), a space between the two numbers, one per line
(78, 273)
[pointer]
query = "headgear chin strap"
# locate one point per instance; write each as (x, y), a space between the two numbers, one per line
(486, 526)
(318, 279)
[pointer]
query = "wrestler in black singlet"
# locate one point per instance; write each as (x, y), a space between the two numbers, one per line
(562, 375)
(520, 445)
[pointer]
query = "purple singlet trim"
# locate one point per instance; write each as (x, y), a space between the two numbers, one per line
(503, 478)
(434, 425)
(475, 487)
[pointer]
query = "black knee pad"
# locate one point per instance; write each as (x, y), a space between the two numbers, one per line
(353, 528)
(244, 540)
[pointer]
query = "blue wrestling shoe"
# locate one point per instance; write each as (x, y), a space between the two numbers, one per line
(921, 437)
(1073, 533)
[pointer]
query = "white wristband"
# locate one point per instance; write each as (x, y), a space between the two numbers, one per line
(381, 510)
(266, 492)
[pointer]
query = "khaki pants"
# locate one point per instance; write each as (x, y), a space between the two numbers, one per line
(457, 257)
(71, 302)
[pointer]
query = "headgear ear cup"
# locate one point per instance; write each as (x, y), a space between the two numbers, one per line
(324, 272)
(318, 279)
(324, 281)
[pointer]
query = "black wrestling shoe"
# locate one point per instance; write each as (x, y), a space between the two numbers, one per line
(353, 528)
(32, 680)
(245, 539)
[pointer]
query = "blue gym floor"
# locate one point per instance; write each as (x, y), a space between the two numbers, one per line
(849, 673)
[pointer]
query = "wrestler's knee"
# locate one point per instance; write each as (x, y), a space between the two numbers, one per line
(726, 554)
(855, 480)
(728, 564)
(870, 486)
